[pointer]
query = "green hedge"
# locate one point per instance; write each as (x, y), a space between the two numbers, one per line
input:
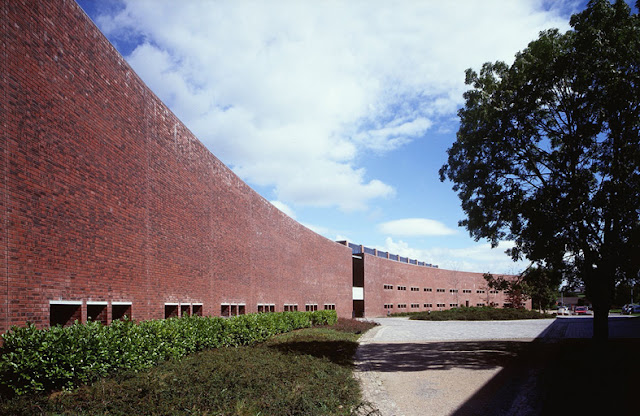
(480, 313)
(44, 359)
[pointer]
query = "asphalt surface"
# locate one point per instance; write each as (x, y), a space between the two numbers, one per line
(456, 367)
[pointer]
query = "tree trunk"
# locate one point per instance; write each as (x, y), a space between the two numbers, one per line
(600, 324)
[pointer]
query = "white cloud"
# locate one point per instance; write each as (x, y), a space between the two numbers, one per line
(289, 94)
(477, 258)
(284, 208)
(415, 227)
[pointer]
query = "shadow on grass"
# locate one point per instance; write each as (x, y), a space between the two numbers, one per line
(338, 352)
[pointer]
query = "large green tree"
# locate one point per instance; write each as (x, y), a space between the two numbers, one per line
(548, 152)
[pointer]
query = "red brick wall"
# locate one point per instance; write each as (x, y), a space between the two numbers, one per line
(379, 272)
(106, 196)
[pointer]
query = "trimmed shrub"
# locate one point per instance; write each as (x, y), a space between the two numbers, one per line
(45, 359)
(485, 313)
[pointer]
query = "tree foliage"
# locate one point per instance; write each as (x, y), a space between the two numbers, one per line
(548, 152)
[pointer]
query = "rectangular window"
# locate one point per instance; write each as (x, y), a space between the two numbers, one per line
(440, 305)
(428, 289)
(388, 287)
(185, 310)
(479, 304)
(170, 310)
(402, 288)
(479, 291)
(453, 290)
(415, 289)
(120, 310)
(329, 306)
(440, 290)
(196, 309)
(290, 307)
(232, 309)
(64, 313)
(466, 290)
(415, 305)
(266, 307)
(388, 306)
(428, 305)
(453, 305)
(310, 307)
(402, 305)
(97, 311)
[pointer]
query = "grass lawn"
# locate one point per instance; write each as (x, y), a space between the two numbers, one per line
(305, 372)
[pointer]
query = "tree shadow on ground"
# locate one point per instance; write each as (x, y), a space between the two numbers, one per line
(555, 375)
(478, 355)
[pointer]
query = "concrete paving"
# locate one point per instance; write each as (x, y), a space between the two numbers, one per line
(427, 368)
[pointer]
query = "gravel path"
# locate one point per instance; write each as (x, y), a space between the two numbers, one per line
(426, 368)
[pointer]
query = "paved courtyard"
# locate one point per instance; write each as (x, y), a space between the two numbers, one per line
(433, 368)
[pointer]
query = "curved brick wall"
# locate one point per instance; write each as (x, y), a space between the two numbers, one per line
(107, 197)
(380, 272)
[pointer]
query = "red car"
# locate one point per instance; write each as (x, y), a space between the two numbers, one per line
(581, 310)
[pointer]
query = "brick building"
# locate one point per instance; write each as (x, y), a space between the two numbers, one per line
(109, 206)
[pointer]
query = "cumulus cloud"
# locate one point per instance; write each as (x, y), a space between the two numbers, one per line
(289, 94)
(415, 227)
(477, 258)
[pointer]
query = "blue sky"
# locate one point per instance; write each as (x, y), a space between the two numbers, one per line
(339, 112)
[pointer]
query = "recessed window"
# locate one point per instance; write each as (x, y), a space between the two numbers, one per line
(170, 310)
(64, 313)
(453, 290)
(402, 305)
(428, 289)
(185, 310)
(428, 305)
(232, 309)
(388, 305)
(402, 288)
(329, 307)
(466, 290)
(415, 289)
(479, 291)
(310, 307)
(266, 307)
(388, 287)
(290, 307)
(440, 290)
(453, 305)
(196, 309)
(97, 311)
(479, 304)
(440, 305)
(120, 310)
(415, 305)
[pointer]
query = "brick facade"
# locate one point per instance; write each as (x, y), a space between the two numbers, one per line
(392, 286)
(107, 197)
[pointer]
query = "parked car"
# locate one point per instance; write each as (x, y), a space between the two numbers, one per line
(634, 309)
(582, 310)
(563, 310)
